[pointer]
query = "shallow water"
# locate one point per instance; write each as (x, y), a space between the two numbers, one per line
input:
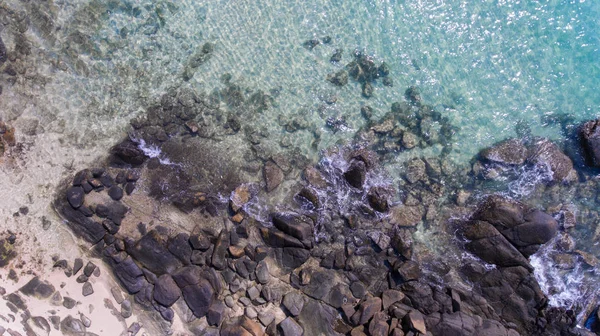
(487, 66)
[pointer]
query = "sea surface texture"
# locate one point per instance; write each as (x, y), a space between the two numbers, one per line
(261, 90)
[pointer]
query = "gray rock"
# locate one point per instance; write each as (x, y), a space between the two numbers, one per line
(253, 293)
(215, 313)
(415, 321)
(293, 302)
(590, 135)
(366, 310)
(391, 296)
(151, 251)
(289, 327)
(117, 294)
(38, 288)
(71, 326)
(266, 317)
(546, 153)
(126, 309)
(77, 265)
(219, 255)
(273, 175)
(41, 323)
(339, 78)
(262, 272)
(87, 289)
(298, 227)
(85, 320)
(75, 196)
(89, 269)
(510, 152)
(250, 312)
(166, 291)
(68, 302)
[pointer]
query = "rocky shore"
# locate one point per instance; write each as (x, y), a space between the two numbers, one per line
(230, 250)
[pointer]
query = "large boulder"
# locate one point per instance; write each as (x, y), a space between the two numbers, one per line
(152, 252)
(590, 138)
(544, 152)
(510, 151)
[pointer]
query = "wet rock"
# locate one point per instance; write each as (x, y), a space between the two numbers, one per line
(510, 152)
(590, 138)
(544, 152)
(310, 44)
(295, 226)
(367, 90)
(409, 271)
(273, 175)
(276, 238)
(406, 216)
(291, 257)
(337, 56)
(128, 152)
(289, 327)
(415, 171)
(75, 196)
(166, 291)
(491, 246)
(356, 174)
(241, 195)
(378, 199)
(339, 78)
(314, 177)
(3, 55)
(413, 95)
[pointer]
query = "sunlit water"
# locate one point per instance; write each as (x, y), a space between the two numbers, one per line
(486, 65)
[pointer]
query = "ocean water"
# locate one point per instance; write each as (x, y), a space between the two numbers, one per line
(488, 66)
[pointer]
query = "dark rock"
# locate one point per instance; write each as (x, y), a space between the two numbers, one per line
(106, 180)
(310, 44)
(273, 175)
(110, 226)
(491, 246)
(89, 269)
(356, 174)
(289, 327)
(68, 302)
(276, 238)
(115, 192)
(291, 257)
(337, 56)
(413, 95)
(129, 187)
(151, 251)
(75, 196)
(409, 271)
(295, 226)
(166, 291)
(199, 297)
(199, 242)
(71, 326)
(3, 54)
(128, 152)
(358, 289)
(55, 320)
(37, 288)
(378, 199)
(215, 313)
(590, 138)
(367, 90)
(510, 152)
(87, 289)
(219, 255)
(546, 153)
(82, 278)
(130, 275)
(179, 246)
(366, 310)
(339, 78)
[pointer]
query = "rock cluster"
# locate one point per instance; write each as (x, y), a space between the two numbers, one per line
(362, 69)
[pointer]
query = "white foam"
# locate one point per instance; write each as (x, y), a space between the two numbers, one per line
(153, 151)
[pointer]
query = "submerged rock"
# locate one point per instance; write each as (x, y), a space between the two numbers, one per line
(273, 175)
(510, 151)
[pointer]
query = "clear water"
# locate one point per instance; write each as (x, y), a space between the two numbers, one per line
(486, 65)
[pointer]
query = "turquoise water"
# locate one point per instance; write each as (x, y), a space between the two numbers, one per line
(485, 65)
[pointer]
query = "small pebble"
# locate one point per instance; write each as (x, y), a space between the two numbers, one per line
(68, 302)
(85, 320)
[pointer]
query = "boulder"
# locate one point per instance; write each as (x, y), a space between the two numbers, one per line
(152, 252)
(510, 152)
(289, 327)
(546, 153)
(590, 138)
(75, 196)
(356, 174)
(128, 152)
(491, 246)
(295, 226)
(166, 291)
(273, 175)
(293, 302)
(366, 310)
